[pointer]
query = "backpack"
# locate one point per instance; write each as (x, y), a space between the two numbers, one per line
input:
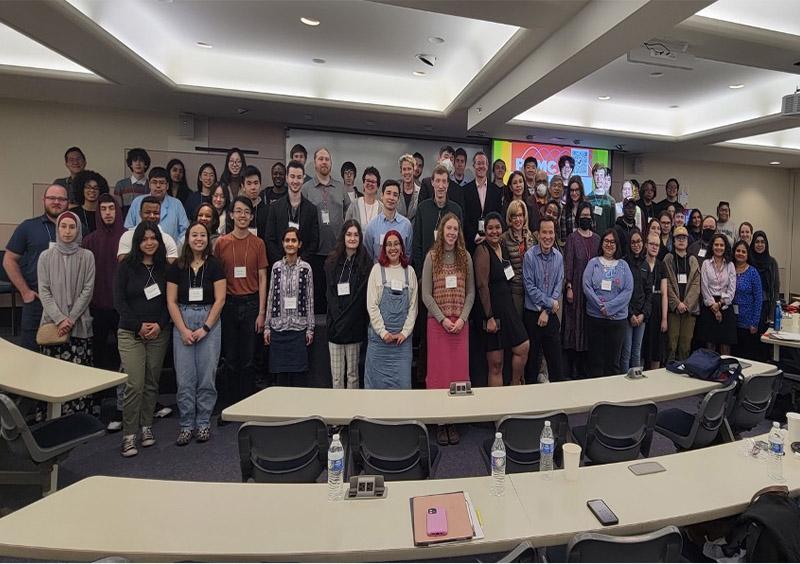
(702, 363)
(769, 529)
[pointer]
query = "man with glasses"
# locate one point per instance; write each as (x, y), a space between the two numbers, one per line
(75, 161)
(173, 217)
(29, 240)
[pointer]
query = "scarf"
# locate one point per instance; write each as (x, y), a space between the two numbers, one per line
(65, 266)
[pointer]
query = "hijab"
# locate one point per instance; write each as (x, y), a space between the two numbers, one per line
(103, 242)
(65, 266)
(68, 248)
(760, 260)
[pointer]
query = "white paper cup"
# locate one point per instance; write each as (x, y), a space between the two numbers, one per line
(572, 460)
(793, 426)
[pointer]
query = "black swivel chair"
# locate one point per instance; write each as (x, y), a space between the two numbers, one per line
(294, 451)
(616, 432)
(523, 552)
(396, 450)
(689, 431)
(37, 449)
(6, 287)
(663, 545)
(753, 400)
(521, 435)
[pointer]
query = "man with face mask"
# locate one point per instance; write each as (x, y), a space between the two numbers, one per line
(702, 248)
(454, 191)
(603, 205)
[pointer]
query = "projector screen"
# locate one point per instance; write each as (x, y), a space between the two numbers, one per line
(514, 154)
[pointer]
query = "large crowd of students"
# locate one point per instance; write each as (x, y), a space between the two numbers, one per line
(547, 279)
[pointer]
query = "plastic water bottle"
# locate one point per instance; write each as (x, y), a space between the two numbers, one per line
(775, 463)
(498, 465)
(335, 468)
(546, 449)
(778, 316)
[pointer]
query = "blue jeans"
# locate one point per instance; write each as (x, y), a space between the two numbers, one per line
(631, 354)
(196, 368)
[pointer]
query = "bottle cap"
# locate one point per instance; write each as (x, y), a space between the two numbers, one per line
(498, 435)
(336, 437)
(547, 423)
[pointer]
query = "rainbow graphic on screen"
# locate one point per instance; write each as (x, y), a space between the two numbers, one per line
(514, 154)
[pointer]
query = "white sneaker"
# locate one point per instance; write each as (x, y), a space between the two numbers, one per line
(129, 446)
(114, 426)
(543, 379)
(162, 411)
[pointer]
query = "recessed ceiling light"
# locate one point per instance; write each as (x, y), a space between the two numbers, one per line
(204, 45)
(242, 111)
(418, 73)
(603, 98)
(656, 74)
(735, 86)
(774, 163)
(674, 107)
(310, 22)
(436, 40)
(426, 58)
(318, 61)
(558, 139)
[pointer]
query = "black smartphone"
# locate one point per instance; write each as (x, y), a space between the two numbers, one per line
(602, 512)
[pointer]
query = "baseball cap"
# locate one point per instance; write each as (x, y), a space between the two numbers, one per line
(680, 230)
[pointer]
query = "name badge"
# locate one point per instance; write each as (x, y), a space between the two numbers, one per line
(294, 224)
(605, 285)
(152, 291)
(653, 290)
(196, 294)
(240, 272)
(682, 279)
(480, 225)
(598, 210)
(701, 253)
(435, 234)
(509, 272)
(51, 245)
(343, 288)
(450, 281)
(290, 303)
(736, 309)
(396, 285)
(383, 235)
(326, 217)
(252, 230)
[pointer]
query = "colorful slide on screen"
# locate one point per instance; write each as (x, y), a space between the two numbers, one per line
(514, 154)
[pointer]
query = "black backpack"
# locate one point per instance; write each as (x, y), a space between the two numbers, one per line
(769, 529)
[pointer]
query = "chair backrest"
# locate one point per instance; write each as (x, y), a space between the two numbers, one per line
(14, 429)
(523, 552)
(521, 435)
(616, 432)
(397, 450)
(663, 545)
(3, 273)
(753, 400)
(711, 415)
(294, 451)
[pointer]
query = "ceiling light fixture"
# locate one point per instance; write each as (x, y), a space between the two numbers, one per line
(242, 111)
(419, 73)
(436, 40)
(204, 45)
(735, 86)
(674, 107)
(428, 128)
(774, 163)
(318, 61)
(603, 98)
(656, 74)
(310, 22)
(370, 123)
(427, 59)
(308, 117)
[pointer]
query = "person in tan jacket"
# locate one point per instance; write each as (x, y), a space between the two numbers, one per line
(683, 291)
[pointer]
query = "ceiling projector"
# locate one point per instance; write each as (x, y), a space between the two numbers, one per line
(791, 104)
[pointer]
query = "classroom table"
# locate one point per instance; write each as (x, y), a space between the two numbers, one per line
(339, 406)
(777, 343)
(201, 521)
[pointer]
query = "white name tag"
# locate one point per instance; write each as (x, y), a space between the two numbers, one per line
(326, 217)
(290, 303)
(383, 236)
(343, 288)
(509, 272)
(435, 234)
(51, 245)
(682, 279)
(480, 225)
(252, 230)
(240, 272)
(195, 294)
(294, 224)
(152, 291)
(396, 285)
(736, 309)
(605, 285)
(598, 210)
(450, 281)
(701, 253)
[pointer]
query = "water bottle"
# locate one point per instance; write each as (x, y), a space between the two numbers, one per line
(775, 463)
(498, 465)
(546, 449)
(335, 468)
(778, 316)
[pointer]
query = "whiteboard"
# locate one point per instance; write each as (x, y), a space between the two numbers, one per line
(379, 151)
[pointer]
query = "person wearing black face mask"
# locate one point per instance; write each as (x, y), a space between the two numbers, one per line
(581, 246)
(702, 247)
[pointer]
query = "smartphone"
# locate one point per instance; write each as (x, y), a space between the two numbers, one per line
(436, 522)
(602, 512)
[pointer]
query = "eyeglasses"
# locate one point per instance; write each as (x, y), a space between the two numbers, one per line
(609, 242)
(637, 243)
(55, 199)
(371, 182)
(241, 212)
(159, 182)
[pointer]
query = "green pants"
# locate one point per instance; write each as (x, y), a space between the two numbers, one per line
(141, 361)
(680, 332)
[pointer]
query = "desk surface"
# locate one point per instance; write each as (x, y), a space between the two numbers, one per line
(769, 339)
(337, 407)
(233, 521)
(41, 377)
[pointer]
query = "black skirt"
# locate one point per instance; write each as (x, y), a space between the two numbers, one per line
(288, 352)
(709, 330)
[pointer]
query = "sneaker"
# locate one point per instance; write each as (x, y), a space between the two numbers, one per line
(452, 435)
(184, 437)
(161, 411)
(543, 379)
(148, 439)
(114, 426)
(129, 446)
(441, 436)
(203, 434)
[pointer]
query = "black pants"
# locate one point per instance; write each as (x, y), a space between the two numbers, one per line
(545, 340)
(317, 263)
(748, 345)
(239, 340)
(29, 325)
(605, 338)
(104, 324)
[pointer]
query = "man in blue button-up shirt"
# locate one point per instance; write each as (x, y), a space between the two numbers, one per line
(386, 221)
(543, 276)
(173, 217)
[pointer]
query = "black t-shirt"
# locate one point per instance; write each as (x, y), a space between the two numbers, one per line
(206, 275)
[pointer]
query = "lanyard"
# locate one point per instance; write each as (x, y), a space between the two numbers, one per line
(717, 273)
(47, 230)
(349, 271)
(149, 276)
(246, 250)
(193, 282)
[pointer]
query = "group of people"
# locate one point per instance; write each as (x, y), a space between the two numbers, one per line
(545, 281)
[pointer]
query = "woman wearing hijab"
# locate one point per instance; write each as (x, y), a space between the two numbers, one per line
(767, 268)
(66, 283)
